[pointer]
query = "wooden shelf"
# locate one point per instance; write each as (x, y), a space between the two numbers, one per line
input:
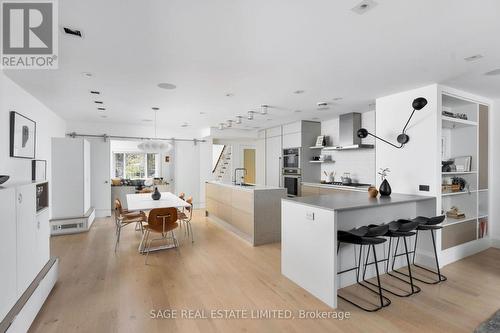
(450, 122)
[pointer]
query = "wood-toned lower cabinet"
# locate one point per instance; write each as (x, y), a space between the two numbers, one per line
(459, 233)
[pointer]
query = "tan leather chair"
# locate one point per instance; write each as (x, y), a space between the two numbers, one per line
(163, 221)
(124, 218)
(186, 216)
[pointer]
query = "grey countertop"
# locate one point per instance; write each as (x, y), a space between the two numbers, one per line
(338, 187)
(349, 200)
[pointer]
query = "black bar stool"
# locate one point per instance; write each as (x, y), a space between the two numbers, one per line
(364, 236)
(398, 229)
(429, 224)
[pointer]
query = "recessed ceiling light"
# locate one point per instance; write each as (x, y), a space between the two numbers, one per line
(364, 6)
(73, 32)
(203, 112)
(229, 95)
(87, 74)
(268, 119)
(250, 115)
(98, 102)
(297, 111)
(104, 116)
(322, 106)
(298, 92)
(185, 125)
(493, 72)
(155, 108)
(168, 86)
(337, 98)
(263, 109)
(474, 57)
(101, 109)
(95, 92)
(238, 119)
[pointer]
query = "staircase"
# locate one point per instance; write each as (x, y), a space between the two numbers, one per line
(222, 170)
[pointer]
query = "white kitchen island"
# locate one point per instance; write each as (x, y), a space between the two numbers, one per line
(309, 236)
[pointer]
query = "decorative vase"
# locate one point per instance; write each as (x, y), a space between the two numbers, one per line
(156, 194)
(385, 189)
(372, 192)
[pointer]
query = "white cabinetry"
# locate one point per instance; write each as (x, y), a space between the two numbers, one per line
(8, 250)
(273, 157)
(27, 272)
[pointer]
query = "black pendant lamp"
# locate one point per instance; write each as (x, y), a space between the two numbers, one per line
(403, 138)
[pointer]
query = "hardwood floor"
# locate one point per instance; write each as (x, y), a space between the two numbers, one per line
(100, 291)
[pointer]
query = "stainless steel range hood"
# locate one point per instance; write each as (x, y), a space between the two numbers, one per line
(349, 124)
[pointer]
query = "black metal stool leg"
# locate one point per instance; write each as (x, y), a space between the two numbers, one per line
(441, 277)
(414, 289)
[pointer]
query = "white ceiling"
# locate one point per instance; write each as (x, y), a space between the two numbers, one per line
(260, 51)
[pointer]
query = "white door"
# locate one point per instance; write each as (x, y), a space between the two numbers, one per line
(100, 167)
(273, 161)
(87, 187)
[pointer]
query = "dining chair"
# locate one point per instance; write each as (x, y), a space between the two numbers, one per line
(186, 216)
(124, 218)
(162, 221)
(182, 195)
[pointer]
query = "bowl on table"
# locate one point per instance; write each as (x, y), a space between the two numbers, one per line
(3, 179)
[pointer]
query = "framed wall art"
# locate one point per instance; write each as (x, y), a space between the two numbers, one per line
(22, 136)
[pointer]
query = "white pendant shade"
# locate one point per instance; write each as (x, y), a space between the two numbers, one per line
(154, 146)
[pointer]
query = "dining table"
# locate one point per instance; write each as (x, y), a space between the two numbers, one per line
(144, 202)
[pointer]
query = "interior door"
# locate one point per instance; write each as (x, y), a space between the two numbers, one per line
(273, 161)
(100, 166)
(249, 165)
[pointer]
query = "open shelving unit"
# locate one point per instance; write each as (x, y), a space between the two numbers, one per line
(465, 137)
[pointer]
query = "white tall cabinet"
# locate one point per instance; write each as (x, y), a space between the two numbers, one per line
(71, 186)
(273, 156)
(28, 273)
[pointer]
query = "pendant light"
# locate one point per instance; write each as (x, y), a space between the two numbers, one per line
(263, 110)
(155, 145)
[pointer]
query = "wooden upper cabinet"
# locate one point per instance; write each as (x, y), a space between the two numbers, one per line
(483, 147)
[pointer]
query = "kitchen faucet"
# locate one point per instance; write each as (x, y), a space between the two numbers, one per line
(244, 174)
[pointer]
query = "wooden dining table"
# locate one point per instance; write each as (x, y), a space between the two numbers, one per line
(144, 202)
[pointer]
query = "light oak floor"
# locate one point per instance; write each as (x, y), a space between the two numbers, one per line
(100, 291)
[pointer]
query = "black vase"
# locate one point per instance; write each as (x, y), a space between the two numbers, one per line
(385, 189)
(156, 194)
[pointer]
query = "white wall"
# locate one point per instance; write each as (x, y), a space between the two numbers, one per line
(48, 124)
(359, 163)
(237, 149)
(494, 207)
(419, 161)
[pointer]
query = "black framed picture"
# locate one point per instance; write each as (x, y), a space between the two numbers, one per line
(22, 136)
(38, 170)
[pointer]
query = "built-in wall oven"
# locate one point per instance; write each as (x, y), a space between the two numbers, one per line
(291, 181)
(291, 158)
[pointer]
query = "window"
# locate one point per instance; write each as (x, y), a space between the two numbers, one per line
(135, 165)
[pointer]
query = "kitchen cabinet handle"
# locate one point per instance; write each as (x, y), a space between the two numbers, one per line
(20, 198)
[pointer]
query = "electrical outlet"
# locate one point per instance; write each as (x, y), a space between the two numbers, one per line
(310, 216)
(425, 188)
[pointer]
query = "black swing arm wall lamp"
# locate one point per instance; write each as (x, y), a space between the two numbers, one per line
(403, 138)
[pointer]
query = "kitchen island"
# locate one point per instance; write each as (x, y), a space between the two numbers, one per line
(252, 211)
(309, 236)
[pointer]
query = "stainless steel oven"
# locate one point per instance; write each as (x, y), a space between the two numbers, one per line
(291, 158)
(291, 181)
